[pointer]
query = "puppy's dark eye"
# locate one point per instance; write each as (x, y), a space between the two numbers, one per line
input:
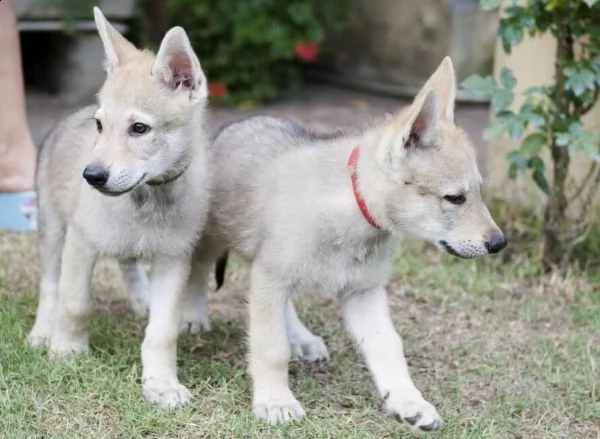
(138, 128)
(455, 199)
(98, 126)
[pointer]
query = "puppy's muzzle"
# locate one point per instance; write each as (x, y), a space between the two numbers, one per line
(96, 175)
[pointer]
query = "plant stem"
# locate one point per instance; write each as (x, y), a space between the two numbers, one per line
(580, 229)
(556, 207)
(584, 182)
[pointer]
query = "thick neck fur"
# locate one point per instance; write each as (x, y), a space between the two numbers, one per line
(371, 179)
(149, 196)
(352, 227)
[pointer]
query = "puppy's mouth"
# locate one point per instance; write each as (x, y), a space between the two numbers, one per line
(112, 193)
(450, 250)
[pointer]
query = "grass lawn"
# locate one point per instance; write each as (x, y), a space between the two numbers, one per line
(500, 350)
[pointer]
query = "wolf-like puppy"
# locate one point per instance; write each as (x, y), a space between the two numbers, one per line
(326, 214)
(126, 178)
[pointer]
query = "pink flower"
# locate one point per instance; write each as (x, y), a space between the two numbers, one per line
(307, 51)
(217, 89)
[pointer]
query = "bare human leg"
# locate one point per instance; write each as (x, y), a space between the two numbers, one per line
(17, 151)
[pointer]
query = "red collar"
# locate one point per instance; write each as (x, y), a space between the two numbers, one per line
(360, 201)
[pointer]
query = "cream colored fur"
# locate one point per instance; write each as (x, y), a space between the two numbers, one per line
(152, 206)
(283, 200)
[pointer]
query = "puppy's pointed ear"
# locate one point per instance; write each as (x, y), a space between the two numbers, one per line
(420, 129)
(116, 46)
(177, 65)
(443, 81)
(417, 129)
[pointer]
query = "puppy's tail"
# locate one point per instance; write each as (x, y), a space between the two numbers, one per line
(220, 267)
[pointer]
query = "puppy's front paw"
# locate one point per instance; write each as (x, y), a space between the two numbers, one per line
(410, 407)
(39, 338)
(313, 349)
(62, 347)
(278, 409)
(165, 392)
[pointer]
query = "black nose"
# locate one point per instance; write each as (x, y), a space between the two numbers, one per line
(496, 243)
(96, 175)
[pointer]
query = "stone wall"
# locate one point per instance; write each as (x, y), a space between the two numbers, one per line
(401, 42)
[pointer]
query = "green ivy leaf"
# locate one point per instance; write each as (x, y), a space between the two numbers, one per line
(480, 84)
(508, 78)
(517, 163)
(562, 139)
(582, 141)
(596, 68)
(551, 5)
(510, 32)
(533, 144)
(301, 13)
(539, 174)
(532, 114)
(579, 80)
(510, 36)
(501, 99)
(517, 128)
(579, 140)
(575, 128)
(502, 123)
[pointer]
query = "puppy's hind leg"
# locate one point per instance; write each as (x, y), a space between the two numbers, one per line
(195, 318)
(303, 343)
(136, 279)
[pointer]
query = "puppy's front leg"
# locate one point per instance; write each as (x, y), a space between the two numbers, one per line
(159, 349)
(70, 334)
(367, 317)
(273, 400)
(50, 245)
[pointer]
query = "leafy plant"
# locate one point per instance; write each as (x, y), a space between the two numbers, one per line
(249, 49)
(550, 117)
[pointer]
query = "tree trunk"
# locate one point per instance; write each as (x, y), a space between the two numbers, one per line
(555, 217)
(556, 211)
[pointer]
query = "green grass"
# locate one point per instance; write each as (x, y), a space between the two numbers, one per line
(501, 350)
